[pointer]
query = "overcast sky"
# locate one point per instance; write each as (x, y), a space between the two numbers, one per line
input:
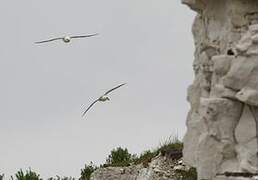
(45, 88)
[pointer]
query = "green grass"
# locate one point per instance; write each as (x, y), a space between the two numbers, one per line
(189, 175)
(87, 171)
(145, 157)
(172, 143)
(119, 157)
(27, 175)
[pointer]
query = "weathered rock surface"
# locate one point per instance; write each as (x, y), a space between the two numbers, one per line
(222, 125)
(160, 168)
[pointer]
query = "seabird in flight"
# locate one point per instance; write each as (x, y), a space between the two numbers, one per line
(66, 39)
(103, 98)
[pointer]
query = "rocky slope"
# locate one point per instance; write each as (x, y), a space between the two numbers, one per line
(159, 168)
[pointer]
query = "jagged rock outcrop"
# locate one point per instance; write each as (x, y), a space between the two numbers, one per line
(222, 125)
(159, 168)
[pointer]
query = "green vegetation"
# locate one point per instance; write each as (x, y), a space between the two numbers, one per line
(29, 175)
(172, 143)
(118, 157)
(87, 171)
(145, 157)
(190, 175)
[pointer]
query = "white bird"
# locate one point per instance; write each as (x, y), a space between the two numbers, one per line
(103, 98)
(66, 39)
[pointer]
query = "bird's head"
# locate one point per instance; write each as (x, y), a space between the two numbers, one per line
(67, 39)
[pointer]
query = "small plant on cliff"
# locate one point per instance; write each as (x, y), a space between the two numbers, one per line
(190, 175)
(119, 157)
(29, 175)
(172, 143)
(87, 171)
(145, 157)
(1, 176)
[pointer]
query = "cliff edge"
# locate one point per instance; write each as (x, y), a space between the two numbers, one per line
(159, 168)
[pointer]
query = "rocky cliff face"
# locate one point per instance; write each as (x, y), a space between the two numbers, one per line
(221, 138)
(160, 168)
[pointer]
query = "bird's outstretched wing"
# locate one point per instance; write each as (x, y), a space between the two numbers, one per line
(89, 35)
(89, 107)
(48, 40)
(114, 88)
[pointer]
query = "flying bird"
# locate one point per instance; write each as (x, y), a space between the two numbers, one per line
(66, 39)
(103, 98)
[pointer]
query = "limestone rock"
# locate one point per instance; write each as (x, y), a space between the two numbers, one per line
(160, 168)
(112, 173)
(254, 38)
(222, 124)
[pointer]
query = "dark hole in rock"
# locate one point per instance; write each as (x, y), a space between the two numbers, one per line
(230, 52)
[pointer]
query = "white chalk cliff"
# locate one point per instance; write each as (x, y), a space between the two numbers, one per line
(222, 125)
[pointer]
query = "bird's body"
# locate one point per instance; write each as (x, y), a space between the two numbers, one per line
(102, 98)
(66, 39)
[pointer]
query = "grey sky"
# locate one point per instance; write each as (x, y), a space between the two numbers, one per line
(45, 88)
